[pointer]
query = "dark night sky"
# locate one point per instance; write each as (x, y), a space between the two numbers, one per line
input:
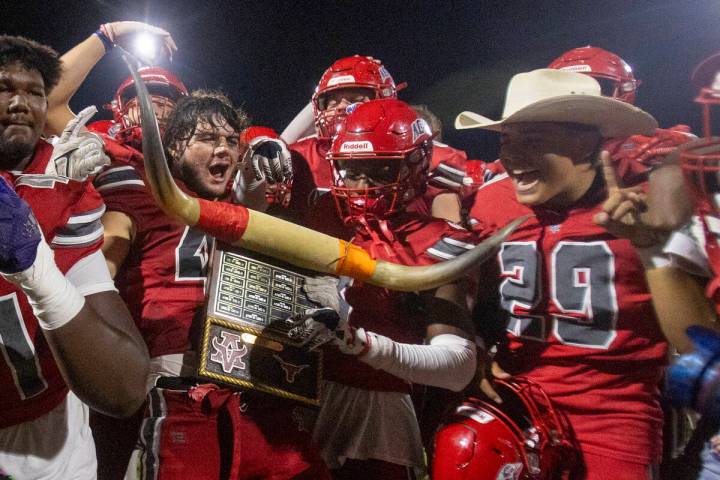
(454, 55)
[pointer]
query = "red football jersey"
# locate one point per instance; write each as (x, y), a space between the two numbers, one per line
(313, 173)
(580, 321)
(69, 215)
(163, 277)
(415, 240)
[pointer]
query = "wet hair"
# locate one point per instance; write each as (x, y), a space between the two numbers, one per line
(32, 56)
(204, 106)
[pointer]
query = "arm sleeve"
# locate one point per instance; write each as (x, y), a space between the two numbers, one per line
(448, 361)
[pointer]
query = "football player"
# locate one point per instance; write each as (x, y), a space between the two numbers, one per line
(62, 323)
(122, 140)
(349, 81)
(161, 268)
(683, 273)
(579, 321)
(386, 340)
(635, 156)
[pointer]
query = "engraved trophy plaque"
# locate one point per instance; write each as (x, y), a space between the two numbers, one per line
(245, 338)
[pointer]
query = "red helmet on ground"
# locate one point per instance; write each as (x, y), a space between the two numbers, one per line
(523, 438)
(380, 158)
(351, 72)
(164, 88)
(612, 72)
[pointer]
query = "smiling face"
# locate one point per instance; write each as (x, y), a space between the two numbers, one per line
(209, 158)
(23, 109)
(550, 164)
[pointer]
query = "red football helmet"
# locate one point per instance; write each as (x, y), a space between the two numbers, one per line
(701, 162)
(351, 72)
(522, 438)
(388, 145)
(612, 72)
(164, 88)
(706, 77)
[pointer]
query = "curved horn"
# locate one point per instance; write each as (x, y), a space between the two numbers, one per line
(242, 227)
(400, 277)
(167, 194)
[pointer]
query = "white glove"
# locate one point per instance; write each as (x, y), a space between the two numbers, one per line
(323, 290)
(318, 326)
(78, 154)
(270, 160)
(267, 162)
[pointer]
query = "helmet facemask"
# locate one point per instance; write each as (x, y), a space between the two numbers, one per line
(329, 118)
(356, 72)
(374, 187)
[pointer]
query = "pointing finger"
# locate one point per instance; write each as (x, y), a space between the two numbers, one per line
(76, 124)
(609, 172)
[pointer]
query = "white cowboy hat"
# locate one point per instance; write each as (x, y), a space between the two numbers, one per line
(548, 95)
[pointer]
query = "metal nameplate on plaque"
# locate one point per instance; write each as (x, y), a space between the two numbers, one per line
(245, 336)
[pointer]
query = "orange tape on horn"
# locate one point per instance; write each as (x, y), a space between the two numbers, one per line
(225, 221)
(355, 262)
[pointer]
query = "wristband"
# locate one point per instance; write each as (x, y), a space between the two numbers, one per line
(54, 300)
(107, 43)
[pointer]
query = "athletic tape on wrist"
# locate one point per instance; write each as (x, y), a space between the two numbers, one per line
(54, 300)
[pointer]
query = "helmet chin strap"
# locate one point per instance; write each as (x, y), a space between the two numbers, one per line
(382, 237)
(377, 242)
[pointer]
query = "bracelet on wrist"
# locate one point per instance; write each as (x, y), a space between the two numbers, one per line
(107, 43)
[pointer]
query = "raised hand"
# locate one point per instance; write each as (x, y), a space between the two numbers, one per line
(121, 33)
(78, 153)
(621, 213)
(270, 160)
(265, 174)
(19, 232)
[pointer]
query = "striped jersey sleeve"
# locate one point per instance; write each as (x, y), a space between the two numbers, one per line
(83, 228)
(453, 242)
(118, 176)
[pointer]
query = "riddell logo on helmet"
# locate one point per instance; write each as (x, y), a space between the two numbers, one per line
(360, 146)
(341, 79)
(578, 68)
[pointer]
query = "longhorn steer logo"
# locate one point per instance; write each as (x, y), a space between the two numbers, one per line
(291, 370)
(228, 352)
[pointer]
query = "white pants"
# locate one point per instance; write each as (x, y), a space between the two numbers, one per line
(58, 445)
(366, 424)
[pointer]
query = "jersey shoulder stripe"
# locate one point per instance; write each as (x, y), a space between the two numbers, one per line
(117, 177)
(39, 181)
(81, 229)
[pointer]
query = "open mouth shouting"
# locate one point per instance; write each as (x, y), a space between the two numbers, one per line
(525, 180)
(220, 170)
